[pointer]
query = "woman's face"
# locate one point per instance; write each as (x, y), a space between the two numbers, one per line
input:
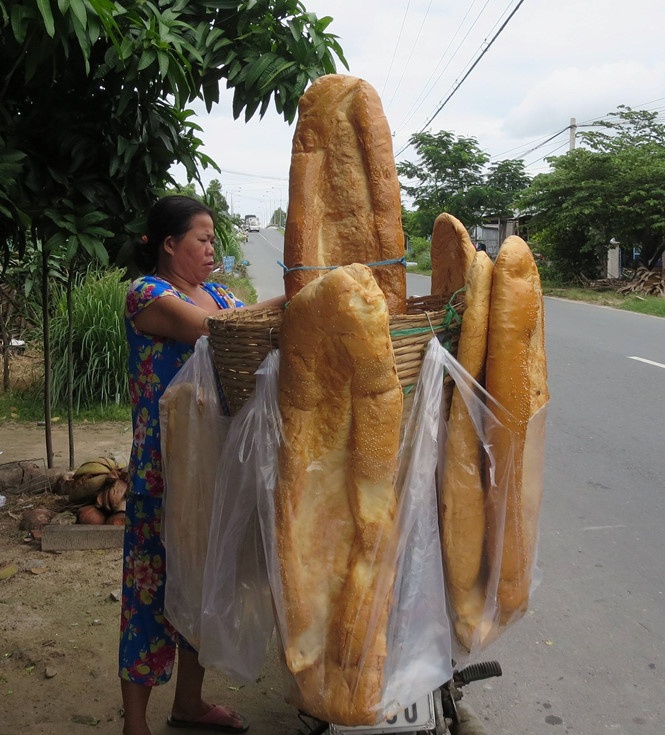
(193, 256)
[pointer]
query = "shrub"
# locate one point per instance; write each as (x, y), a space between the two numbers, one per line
(100, 351)
(424, 260)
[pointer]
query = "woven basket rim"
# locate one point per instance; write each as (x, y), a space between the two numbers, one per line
(241, 338)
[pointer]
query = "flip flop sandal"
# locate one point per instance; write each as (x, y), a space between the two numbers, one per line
(212, 721)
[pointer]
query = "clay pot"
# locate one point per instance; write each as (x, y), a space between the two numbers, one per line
(91, 516)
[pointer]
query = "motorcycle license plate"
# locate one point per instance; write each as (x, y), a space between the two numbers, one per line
(419, 716)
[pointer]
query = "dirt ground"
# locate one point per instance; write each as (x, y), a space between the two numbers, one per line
(59, 620)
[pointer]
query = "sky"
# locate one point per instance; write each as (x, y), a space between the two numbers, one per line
(552, 61)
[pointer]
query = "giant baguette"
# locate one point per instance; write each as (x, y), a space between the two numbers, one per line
(344, 194)
(452, 254)
(335, 501)
(462, 506)
(516, 376)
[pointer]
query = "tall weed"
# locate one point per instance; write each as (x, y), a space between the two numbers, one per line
(100, 349)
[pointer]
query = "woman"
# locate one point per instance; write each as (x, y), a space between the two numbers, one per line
(166, 312)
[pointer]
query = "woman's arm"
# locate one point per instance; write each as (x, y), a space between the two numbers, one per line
(173, 318)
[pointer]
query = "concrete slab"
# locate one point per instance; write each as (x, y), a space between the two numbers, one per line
(80, 537)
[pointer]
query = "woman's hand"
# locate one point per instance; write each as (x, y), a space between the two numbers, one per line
(278, 302)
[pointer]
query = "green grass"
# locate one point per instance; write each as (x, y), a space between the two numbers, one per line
(240, 285)
(652, 305)
(28, 406)
(24, 402)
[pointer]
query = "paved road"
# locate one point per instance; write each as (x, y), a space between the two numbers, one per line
(589, 656)
(263, 250)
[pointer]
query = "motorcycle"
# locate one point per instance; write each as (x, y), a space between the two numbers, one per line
(438, 713)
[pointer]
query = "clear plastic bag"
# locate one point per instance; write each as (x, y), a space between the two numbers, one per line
(237, 619)
(192, 429)
(489, 537)
(416, 639)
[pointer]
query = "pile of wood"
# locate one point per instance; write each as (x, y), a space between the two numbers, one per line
(645, 282)
(601, 284)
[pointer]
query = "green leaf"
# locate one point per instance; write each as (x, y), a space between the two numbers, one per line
(72, 248)
(257, 67)
(94, 29)
(47, 14)
(147, 57)
(93, 218)
(84, 41)
(79, 10)
(163, 60)
(20, 18)
(55, 241)
(234, 70)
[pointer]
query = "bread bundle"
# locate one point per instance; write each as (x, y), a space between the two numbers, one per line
(462, 507)
(517, 378)
(335, 503)
(489, 523)
(344, 195)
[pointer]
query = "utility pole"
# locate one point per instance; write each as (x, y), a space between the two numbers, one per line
(573, 132)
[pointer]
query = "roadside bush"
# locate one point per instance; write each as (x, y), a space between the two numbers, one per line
(424, 260)
(421, 252)
(100, 350)
(240, 285)
(99, 342)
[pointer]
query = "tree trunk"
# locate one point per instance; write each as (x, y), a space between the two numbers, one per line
(6, 339)
(6, 309)
(70, 367)
(47, 359)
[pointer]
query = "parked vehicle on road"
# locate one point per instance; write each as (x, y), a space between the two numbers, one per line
(252, 223)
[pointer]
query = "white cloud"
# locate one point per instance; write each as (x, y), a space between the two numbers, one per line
(556, 59)
(583, 93)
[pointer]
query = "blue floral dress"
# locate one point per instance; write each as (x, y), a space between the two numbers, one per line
(147, 640)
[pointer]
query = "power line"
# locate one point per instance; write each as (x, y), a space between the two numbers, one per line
(473, 66)
(253, 176)
(520, 146)
(545, 142)
(585, 124)
(464, 78)
(399, 36)
(406, 63)
(542, 158)
(426, 92)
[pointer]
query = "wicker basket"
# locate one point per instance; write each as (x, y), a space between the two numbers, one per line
(240, 341)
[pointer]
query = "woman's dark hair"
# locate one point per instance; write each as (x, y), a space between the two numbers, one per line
(170, 216)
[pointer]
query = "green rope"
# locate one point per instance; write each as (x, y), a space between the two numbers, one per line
(451, 316)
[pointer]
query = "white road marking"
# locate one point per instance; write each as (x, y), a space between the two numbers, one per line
(602, 528)
(648, 362)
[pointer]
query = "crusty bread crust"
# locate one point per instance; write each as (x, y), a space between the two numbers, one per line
(516, 376)
(344, 194)
(452, 254)
(462, 505)
(335, 502)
